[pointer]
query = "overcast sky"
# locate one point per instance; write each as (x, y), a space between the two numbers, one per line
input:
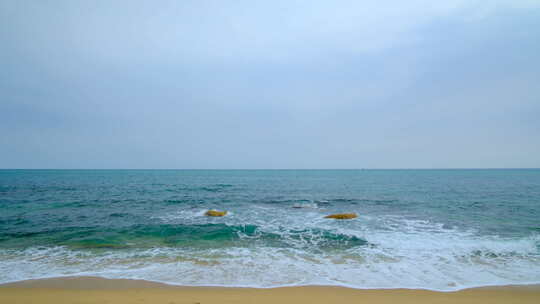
(269, 84)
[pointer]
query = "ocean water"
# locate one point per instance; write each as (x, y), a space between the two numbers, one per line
(432, 229)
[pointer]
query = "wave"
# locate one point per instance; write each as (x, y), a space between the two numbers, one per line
(471, 263)
(167, 235)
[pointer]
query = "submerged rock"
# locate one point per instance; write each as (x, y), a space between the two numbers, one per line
(215, 213)
(342, 216)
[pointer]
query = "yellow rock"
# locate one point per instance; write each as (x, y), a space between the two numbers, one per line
(215, 213)
(342, 216)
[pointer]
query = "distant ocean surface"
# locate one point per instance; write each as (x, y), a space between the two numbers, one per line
(433, 229)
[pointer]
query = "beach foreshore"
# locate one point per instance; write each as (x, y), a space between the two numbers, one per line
(99, 290)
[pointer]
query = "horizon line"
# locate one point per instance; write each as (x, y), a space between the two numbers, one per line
(283, 169)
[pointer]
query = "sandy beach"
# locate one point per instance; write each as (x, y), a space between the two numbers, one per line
(98, 290)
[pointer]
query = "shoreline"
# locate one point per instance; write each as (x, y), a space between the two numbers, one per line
(98, 282)
(84, 289)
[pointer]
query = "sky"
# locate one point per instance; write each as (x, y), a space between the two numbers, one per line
(269, 84)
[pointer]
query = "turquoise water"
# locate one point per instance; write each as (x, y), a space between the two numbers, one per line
(434, 229)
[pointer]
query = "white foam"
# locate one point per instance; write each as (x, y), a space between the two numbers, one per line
(312, 205)
(401, 253)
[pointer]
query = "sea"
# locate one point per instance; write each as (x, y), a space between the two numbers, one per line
(430, 229)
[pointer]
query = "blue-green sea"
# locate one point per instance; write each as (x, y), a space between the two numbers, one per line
(433, 229)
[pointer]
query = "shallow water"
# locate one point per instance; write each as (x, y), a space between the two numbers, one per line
(434, 229)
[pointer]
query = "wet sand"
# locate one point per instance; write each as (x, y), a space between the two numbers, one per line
(98, 290)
